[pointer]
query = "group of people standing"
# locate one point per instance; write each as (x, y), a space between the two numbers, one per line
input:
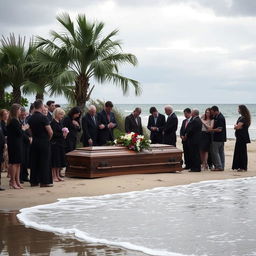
(203, 137)
(39, 141)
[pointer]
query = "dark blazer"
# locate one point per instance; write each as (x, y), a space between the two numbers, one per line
(132, 126)
(220, 122)
(49, 116)
(183, 128)
(194, 130)
(156, 136)
(90, 130)
(71, 138)
(105, 134)
(170, 130)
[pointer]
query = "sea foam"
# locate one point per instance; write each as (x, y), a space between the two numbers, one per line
(206, 218)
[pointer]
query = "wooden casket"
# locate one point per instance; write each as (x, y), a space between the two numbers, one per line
(94, 162)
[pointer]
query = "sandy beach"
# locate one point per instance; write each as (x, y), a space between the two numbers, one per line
(16, 199)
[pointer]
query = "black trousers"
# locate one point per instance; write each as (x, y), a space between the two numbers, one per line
(194, 156)
(186, 154)
(40, 162)
(240, 158)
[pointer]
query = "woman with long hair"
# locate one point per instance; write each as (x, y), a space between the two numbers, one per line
(207, 124)
(4, 114)
(14, 142)
(72, 122)
(58, 144)
(240, 158)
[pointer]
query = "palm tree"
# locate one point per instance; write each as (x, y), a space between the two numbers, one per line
(14, 58)
(85, 54)
(42, 81)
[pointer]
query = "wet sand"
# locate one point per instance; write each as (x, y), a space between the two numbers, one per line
(35, 242)
(17, 240)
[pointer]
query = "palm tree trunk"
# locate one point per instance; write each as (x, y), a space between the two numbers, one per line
(16, 94)
(39, 96)
(81, 90)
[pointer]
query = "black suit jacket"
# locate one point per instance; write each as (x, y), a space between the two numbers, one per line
(132, 126)
(49, 116)
(90, 130)
(156, 136)
(105, 134)
(183, 129)
(194, 131)
(170, 130)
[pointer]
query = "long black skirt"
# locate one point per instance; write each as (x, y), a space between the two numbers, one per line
(240, 158)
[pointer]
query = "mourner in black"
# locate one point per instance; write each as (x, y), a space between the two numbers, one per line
(51, 106)
(14, 142)
(4, 117)
(156, 124)
(58, 144)
(2, 142)
(90, 127)
(40, 148)
(26, 140)
(133, 122)
(240, 158)
(170, 126)
(106, 124)
(72, 122)
(183, 130)
(218, 139)
(193, 136)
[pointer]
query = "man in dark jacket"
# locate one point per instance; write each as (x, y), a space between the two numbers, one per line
(133, 122)
(193, 136)
(90, 127)
(170, 126)
(106, 124)
(156, 123)
(183, 130)
(2, 142)
(51, 106)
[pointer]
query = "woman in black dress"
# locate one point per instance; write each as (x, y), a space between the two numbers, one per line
(240, 159)
(72, 122)
(4, 114)
(58, 144)
(14, 142)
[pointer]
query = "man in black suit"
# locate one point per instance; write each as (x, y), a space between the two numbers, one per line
(170, 126)
(106, 124)
(183, 130)
(90, 127)
(133, 122)
(51, 106)
(156, 123)
(193, 136)
(2, 142)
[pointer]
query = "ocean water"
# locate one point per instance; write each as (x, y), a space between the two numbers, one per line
(230, 111)
(207, 218)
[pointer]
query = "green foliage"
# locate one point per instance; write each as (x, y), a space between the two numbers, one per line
(6, 102)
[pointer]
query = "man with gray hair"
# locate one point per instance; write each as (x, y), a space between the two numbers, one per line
(133, 122)
(193, 137)
(169, 131)
(90, 127)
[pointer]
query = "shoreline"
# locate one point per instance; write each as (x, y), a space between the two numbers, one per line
(12, 199)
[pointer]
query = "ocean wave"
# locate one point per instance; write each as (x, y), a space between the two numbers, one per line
(116, 219)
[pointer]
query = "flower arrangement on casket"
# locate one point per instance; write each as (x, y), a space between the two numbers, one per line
(133, 141)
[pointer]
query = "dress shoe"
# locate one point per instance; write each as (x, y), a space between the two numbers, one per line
(2, 189)
(194, 170)
(217, 170)
(46, 185)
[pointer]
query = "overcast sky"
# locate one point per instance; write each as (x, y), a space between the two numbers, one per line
(189, 51)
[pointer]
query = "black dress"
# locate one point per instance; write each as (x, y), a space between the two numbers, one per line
(70, 141)
(57, 145)
(40, 150)
(14, 141)
(240, 159)
(2, 142)
(4, 128)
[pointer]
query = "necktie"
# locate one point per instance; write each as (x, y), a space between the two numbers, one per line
(155, 118)
(94, 120)
(186, 124)
(108, 117)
